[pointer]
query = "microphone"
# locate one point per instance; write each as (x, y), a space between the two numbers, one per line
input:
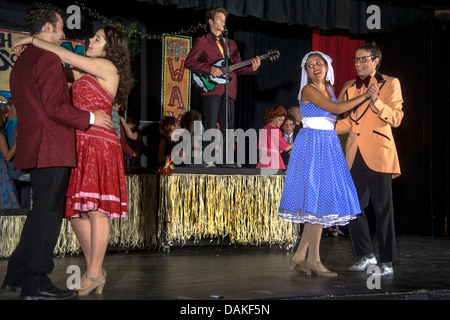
(225, 31)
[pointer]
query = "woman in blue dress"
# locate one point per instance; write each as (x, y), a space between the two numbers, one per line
(8, 195)
(318, 189)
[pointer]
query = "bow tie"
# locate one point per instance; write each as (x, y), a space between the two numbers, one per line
(360, 82)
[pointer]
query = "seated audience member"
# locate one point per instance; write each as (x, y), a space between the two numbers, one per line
(290, 131)
(21, 179)
(133, 138)
(118, 127)
(192, 122)
(295, 111)
(8, 195)
(167, 126)
(271, 141)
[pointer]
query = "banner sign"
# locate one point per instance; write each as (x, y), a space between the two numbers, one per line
(8, 58)
(176, 79)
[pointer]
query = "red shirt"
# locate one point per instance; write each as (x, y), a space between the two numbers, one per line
(205, 53)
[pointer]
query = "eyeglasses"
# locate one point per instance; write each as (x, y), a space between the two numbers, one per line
(362, 59)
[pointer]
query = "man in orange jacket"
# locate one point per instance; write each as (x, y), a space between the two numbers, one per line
(372, 157)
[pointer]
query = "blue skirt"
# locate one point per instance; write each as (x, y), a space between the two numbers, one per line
(318, 188)
(8, 196)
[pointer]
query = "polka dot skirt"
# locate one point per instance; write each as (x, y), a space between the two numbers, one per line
(318, 187)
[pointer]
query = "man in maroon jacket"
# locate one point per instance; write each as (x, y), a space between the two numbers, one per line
(204, 53)
(45, 147)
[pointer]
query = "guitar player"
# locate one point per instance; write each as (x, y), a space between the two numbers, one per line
(204, 53)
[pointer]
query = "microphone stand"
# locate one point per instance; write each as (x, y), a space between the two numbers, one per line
(227, 55)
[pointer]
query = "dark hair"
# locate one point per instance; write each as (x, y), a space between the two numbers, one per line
(374, 51)
(10, 102)
(118, 52)
(133, 118)
(165, 123)
(2, 122)
(211, 13)
(188, 117)
(289, 117)
(273, 112)
(38, 14)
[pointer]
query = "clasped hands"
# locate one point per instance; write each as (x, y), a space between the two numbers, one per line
(373, 92)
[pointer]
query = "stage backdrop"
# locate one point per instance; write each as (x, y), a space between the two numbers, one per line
(8, 58)
(340, 48)
(176, 79)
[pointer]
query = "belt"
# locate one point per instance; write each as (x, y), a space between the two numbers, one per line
(321, 123)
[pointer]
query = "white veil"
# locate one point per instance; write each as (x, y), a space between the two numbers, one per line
(304, 78)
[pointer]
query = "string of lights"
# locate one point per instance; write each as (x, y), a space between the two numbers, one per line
(132, 30)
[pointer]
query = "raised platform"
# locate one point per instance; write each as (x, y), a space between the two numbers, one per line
(213, 235)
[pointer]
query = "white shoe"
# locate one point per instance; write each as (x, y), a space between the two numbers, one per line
(363, 263)
(386, 269)
(210, 165)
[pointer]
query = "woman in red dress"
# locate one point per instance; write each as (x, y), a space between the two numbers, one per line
(97, 189)
(271, 141)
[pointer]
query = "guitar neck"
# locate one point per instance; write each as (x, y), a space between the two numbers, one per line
(241, 64)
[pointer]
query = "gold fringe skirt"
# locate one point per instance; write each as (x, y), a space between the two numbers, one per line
(181, 207)
(241, 207)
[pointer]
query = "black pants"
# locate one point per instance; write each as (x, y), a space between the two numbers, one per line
(377, 187)
(215, 111)
(32, 261)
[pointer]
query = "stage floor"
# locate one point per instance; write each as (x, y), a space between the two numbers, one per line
(222, 272)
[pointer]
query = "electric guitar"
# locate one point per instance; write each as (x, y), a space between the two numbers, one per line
(206, 82)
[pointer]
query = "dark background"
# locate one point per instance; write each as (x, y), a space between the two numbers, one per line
(415, 46)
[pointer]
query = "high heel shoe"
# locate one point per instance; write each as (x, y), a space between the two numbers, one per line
(297, 263)
(97, 284)
(317, 270)
(84, 277)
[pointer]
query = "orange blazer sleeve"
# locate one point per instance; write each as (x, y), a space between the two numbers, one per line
(389, 108)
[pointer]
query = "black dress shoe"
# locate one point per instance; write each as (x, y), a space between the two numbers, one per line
(11, 288)
(53, 293)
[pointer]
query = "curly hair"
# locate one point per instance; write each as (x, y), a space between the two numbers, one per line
(38, 14)
(274, 112)
(118, 52)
